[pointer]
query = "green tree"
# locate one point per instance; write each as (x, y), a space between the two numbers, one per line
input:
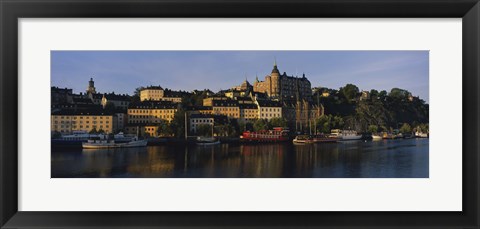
(372, 129)
(56, 134)
(397, 93)
(277, 122)
(406, 128)
(178, 123)
(260, 124)
(93, 131)
(204, 130)
(136, 95)
(350, 92)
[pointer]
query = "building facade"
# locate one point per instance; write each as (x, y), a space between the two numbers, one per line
(119, 101)
(154, 93)
(268, 109)
(151, 112)
(281, 86)
(66, 122)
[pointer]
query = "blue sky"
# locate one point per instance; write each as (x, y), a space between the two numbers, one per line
(123, 71)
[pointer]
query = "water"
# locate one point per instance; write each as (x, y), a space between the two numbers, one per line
(401, 158)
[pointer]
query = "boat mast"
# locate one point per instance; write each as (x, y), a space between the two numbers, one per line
(310, 126)
(186, 134)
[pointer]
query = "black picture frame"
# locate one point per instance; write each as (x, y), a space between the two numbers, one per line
(11, 11)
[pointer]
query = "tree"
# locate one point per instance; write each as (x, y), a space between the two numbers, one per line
(260, 124)
(93, 131)
(350, 92)
(56, 134)
(178, 123)
(397, 93)
(136, 94)
(164, 129)
(406, 128)
(372, 129)
(277, 122)
(323, 123)
(204, 130)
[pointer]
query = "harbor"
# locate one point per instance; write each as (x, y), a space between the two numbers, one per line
(397, 158)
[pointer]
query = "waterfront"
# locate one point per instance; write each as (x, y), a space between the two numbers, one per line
(400, 158)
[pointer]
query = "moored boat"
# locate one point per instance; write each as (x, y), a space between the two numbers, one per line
(321, 138)
(346, 135)
(421, 135)
(376, 137)
(303, 139)
(277, 134)
(207, 141)
(104, 143)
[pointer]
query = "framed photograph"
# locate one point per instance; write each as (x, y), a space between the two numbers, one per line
(320, 114)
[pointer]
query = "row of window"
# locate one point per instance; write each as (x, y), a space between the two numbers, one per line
(81, 127)
(81, 117)
(271, 115)
(81, 122)
(148, 116)
(150, 111)
(202, 120)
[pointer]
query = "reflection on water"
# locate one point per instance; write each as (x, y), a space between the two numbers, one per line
(387, 158)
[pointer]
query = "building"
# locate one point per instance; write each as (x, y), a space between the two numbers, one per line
(268, 109)
(67, 121)
(119, 101)
(157, 93)
(365, 95)
(200, 109)
(248, 112)
(91, 87)
(228, 107)
(151, 112)
(301, 112)
(282, 86)
(60, 95)
(206, 119)
(154, 93)
(209, 101)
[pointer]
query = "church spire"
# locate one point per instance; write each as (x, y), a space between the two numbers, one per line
(274, 61)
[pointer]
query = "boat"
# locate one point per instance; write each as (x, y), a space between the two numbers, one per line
(303, 139)
(421, 135)
(376, 137)
(75, 139)
(121, 137)
(277, 134)
(207, 141)
(105, 143)
(345, 135)
(321, 138)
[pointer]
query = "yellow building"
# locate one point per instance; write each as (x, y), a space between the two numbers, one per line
(154, 93)
(66, 122)
(268, 109)
(209, 101)
(150, 112)
(228, 108)
(248, 112)
(143, 131)
(281, 85)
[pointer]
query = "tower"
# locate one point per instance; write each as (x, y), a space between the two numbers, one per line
(275, 80)
(91, 87)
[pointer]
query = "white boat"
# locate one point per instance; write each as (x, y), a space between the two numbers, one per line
(421, 135)
(376, 137)
(302, 139)
(207, 141)
(99, 143)
(345, 135)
